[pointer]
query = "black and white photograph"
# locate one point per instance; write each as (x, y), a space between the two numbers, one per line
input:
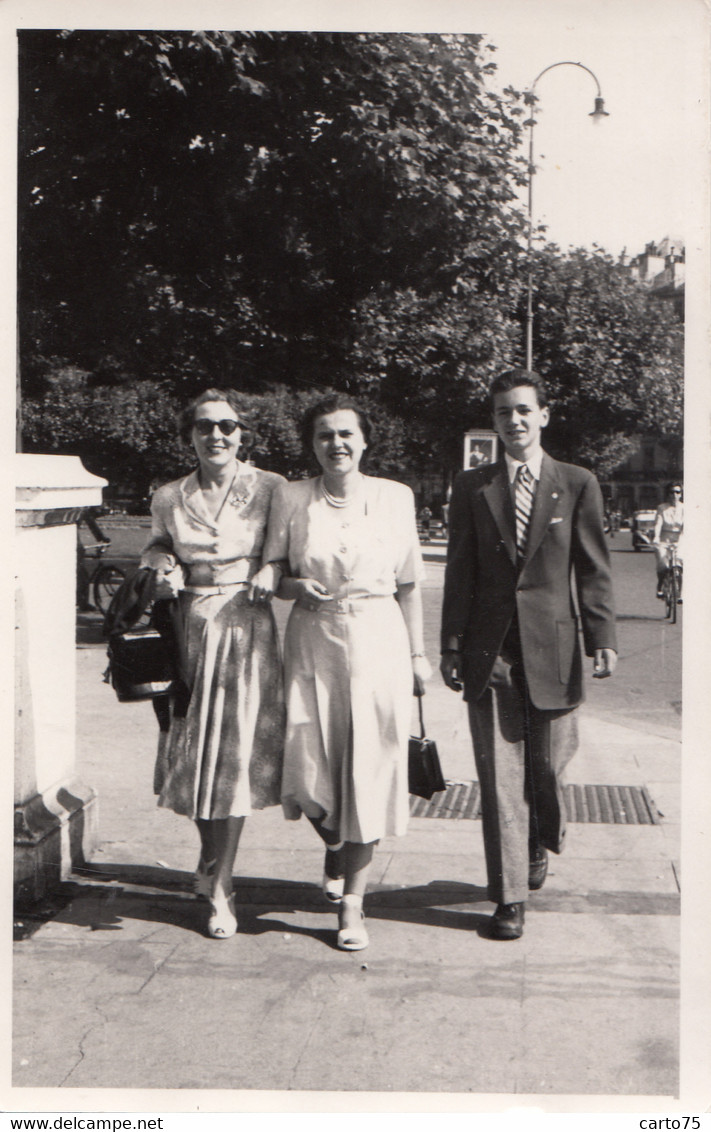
(360, 472)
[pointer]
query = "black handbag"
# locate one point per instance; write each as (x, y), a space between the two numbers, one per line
(140, 665)
(424, 772)
(141, 662)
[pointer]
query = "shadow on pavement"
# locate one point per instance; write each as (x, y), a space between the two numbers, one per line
(111, 893)
(89, 627)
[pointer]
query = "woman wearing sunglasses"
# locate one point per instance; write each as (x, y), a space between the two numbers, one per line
(668, 530)
(222, 758)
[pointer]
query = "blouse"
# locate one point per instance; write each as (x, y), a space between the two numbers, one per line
(366, 548)
(220, 550)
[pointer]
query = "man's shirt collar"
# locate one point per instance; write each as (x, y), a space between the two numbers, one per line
(533, 465)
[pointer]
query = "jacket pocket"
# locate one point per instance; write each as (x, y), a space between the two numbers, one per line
(567, 645)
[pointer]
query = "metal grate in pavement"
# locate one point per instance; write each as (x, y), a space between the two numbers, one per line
(459, 800)
(619, 805)
(611, 805)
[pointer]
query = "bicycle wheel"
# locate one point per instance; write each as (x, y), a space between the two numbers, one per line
(106, 582)
(667, 594)
(673, 594)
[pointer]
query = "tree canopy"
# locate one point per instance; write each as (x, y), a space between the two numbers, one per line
(612, 354)
(289, 212)
(214, 201)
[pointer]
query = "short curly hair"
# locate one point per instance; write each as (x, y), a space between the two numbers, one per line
(513, 378)
(332, 403)
(231, 397)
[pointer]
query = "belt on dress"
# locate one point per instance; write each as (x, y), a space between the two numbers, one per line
(221, 588)
(349, 604)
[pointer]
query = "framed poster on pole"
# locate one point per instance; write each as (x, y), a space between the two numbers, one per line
(480, 447)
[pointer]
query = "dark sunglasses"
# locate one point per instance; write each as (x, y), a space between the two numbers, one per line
(204, 426)
(675, 491)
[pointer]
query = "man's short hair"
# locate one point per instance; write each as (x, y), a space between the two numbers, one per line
(512, 378)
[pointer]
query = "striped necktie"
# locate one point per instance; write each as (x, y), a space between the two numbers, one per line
(524, 490)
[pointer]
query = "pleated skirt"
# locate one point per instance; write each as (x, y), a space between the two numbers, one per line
(224, 759)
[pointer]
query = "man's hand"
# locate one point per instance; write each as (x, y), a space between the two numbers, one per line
(451, 668)
(604, 663)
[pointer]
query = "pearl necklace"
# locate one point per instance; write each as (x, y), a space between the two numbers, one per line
(334, 501)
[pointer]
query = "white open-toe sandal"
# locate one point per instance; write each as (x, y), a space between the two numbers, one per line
(353, 938)
(223, 917)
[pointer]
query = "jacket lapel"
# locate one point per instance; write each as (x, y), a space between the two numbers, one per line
(544, 506)
(498, 496)
(193, 501)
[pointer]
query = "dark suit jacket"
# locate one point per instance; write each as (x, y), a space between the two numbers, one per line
(484, 589)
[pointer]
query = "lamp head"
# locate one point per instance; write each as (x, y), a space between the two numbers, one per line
(599, 112)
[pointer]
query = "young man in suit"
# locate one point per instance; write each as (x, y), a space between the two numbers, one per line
(526, 538)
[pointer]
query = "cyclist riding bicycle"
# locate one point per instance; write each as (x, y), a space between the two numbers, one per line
(668, 531)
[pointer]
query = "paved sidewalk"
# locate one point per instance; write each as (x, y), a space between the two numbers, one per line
(121, 989)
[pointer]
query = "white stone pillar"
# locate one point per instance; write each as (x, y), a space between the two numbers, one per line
(55, 814)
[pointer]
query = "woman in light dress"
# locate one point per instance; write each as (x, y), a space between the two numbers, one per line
(668, 530)
(353, 651)
(222, 757)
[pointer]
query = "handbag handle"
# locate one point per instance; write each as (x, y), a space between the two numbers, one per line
(422, 719)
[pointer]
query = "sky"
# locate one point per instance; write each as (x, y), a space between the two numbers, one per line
(633, 178)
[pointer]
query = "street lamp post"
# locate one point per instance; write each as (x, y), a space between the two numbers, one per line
(597, 115)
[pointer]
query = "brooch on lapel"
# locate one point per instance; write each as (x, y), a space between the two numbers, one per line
(239, 496)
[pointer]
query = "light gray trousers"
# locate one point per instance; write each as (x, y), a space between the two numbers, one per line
(520, 754)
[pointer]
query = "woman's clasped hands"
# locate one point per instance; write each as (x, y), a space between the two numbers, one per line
(310, 594)
(169, 582)
(264, 584)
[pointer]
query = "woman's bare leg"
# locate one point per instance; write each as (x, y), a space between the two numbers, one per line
(352, 935)
(227, 833)
(334, 861)
(358, 859)
(208, 851)
(328, 836)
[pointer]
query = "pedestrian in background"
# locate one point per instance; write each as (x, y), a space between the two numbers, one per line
(520, 529)
(353, 651)
(223, 758)
(668, 530)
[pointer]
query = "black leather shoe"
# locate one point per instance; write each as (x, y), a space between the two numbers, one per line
(507, 921)
(538, 868)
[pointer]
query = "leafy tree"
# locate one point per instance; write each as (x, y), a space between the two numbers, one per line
(431, 359)
(285, 213)
(224, 208)
(612, 354)
(125, 433)
(216, 202)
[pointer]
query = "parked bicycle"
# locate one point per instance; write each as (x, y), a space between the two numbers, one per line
(671, 583)
(105, 578)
